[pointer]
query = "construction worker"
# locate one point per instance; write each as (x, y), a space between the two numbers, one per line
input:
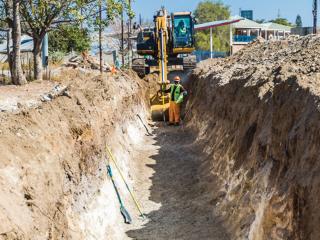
(182, 30)
(177, 93)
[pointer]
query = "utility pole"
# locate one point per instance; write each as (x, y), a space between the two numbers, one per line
(45, 54)
(315, 16)
(100, 35)
(122, 37)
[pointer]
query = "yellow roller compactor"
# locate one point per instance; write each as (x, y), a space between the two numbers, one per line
(169, 44)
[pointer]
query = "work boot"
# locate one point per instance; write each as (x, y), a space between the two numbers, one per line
(170, 123)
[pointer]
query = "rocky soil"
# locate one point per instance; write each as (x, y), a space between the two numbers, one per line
(257, 116)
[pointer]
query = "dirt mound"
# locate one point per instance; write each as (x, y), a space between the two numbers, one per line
(257, 117)
(53, 182)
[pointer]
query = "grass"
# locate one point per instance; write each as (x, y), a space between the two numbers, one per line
(4, 66)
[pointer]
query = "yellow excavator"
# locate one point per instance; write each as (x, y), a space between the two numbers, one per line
(169, 44)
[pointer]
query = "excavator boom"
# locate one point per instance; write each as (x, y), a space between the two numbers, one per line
(170, 43)
(178, 30)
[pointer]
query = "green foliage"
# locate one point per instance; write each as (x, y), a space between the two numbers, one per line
(4, 12)
(69, 38)
(115, 7)
(282, 21)
(40, 15)
(2, 23)
(208, 11)
(299, 21)
(56, 57)
(260, 21)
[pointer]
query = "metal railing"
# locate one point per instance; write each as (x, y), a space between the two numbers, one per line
(203, 55)
(243, 38)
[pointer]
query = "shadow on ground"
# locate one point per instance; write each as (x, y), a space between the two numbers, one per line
(185, 212)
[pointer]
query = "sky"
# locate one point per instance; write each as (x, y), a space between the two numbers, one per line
(262, 9)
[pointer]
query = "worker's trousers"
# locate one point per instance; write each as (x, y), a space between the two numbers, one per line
(174, 112)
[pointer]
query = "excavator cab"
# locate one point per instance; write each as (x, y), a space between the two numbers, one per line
(183, 26)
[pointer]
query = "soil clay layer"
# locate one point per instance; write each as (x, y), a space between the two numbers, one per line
(256, 115)
(53, 180)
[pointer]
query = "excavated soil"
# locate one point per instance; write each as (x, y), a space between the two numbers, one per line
(53, 181)
(242, 166)
(257, 116)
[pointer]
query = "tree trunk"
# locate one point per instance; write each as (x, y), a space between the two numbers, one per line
(37, 61)
(18, 77)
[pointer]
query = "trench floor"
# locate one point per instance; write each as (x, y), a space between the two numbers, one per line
(169, 186)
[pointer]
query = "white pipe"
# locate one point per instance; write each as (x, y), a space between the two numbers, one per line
(211, 44)
(162, 57)
(231, 39)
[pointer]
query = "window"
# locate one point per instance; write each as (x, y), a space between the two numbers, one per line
(182, 31)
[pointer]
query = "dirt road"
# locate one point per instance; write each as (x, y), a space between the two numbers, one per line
(171, 191)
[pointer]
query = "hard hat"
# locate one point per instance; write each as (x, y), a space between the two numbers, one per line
(177, 78)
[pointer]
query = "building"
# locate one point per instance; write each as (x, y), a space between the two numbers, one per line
(246, 31)
(248, 14)
(209, 26)
(275, 31)
(26, 47)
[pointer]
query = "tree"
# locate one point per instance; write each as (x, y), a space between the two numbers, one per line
(41, 15)
(67, 38)
(208, 11)
(18, 77)
(282, 21)
(299, 21)
(10, 18)
(260, 20)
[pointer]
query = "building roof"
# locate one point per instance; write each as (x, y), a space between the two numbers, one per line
(275, 26)
(26, 45)
(246, 23)
(204, 26)
(249, 24)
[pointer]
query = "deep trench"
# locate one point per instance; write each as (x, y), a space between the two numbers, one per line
(169, 186)
(251, 162)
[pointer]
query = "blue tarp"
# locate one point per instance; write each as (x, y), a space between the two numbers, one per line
(243, 38)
